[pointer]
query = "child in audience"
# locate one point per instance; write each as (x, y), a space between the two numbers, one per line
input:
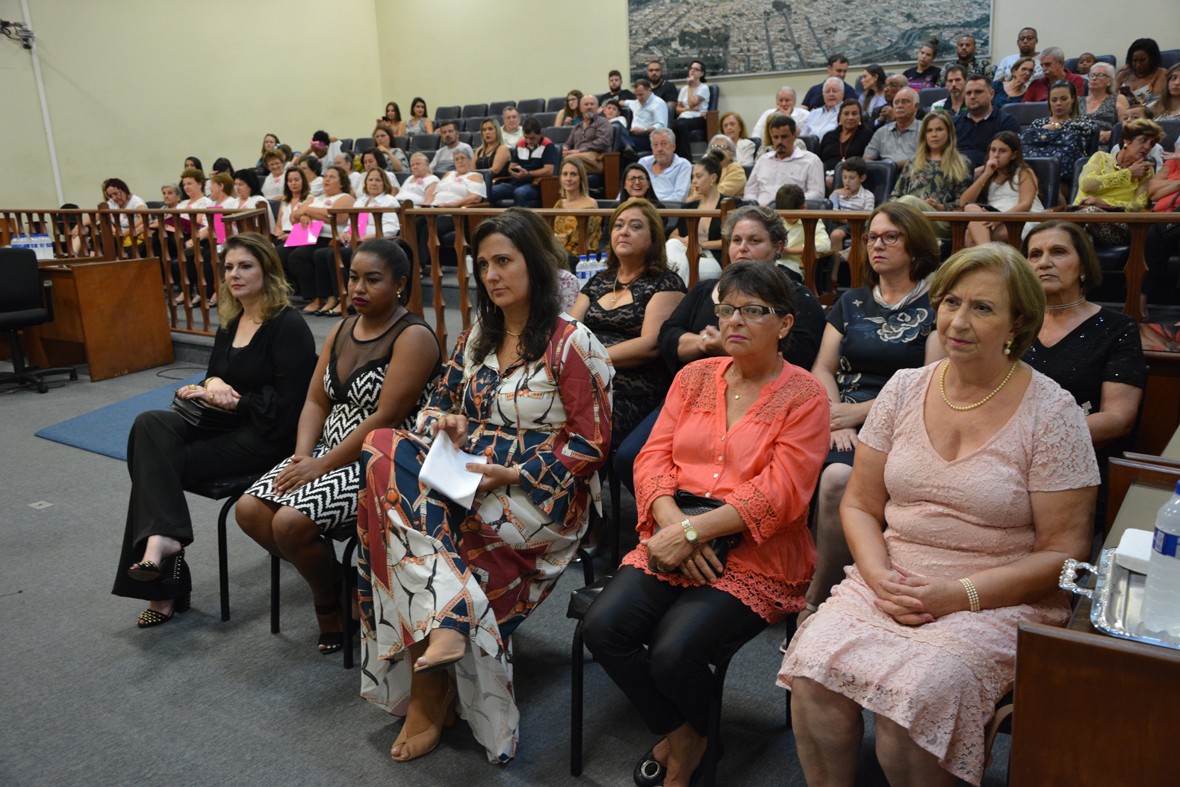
(790, 197)
(853, 196)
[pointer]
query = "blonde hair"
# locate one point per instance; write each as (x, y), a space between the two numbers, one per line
(276, 290)
(583, 182)
(952, 163)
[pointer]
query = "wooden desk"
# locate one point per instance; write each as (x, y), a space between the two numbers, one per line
(110, 315)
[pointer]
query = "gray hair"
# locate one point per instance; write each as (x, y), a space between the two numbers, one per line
(765, 216)
(1107, 69)
(420, 155)
(788, 89)
(463, 148)
(721, 139)
(1054, 52)
(664, 132)
(834, 80)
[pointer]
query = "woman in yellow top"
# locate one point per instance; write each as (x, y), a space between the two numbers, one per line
(575, 193)
(1118, 181)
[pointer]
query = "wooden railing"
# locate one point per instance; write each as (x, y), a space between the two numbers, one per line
(110, 241)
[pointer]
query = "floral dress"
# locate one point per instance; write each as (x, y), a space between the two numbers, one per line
(931, 181)
(425, 561)
(1066, 144)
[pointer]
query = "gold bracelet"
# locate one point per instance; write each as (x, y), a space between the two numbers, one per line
(972, 593)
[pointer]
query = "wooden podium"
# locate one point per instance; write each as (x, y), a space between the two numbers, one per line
(108, 314)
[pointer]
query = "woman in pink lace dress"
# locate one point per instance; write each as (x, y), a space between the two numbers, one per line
(983, 472)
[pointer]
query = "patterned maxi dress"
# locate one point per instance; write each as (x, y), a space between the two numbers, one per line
(426, 562)
(352, 382)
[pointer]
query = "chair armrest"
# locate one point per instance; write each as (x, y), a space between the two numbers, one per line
(550, 187)
(1151, 459)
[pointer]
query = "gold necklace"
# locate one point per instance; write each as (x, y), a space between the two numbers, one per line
(619, 287)
(963, 407)
(738, 396)
(513, 335)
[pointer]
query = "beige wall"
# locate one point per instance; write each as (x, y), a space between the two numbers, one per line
(133, 86)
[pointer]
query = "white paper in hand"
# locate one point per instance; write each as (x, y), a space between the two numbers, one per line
(445, 471)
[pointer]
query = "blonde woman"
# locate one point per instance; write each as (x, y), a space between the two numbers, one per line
(492, 153)
(938, 174)
(575, 195)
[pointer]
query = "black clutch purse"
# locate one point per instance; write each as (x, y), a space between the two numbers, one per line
(695, 505)
(202, 415)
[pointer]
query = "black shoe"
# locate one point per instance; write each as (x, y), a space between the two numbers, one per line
(150, 618)
(148, 571)
(648, 771)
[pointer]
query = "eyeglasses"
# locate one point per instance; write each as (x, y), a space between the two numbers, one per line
(635, 179)
(888, 238)
(751, 312)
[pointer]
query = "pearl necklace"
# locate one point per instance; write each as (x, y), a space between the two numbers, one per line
(1060, 307)
(964, 407)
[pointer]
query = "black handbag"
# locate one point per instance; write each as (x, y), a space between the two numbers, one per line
(695, 505)
(203, 415)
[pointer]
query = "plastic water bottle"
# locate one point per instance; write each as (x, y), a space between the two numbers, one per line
(584, 269)
(1161, 600)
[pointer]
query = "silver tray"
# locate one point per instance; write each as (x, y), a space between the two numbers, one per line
(1117, 599)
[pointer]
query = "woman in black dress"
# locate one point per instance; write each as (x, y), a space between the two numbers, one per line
(262, 361)
(849, 138)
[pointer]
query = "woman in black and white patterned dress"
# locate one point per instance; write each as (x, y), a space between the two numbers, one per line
(315, 490)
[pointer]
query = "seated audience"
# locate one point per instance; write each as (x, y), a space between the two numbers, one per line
(664, 89)
(291, 508)
(317, 275)
(448, 142)
(269, 143)
(392, 120)
(635, 183)
(965, 57)
(733, 175)
(118, 197)
(492, 154)
(1093, 353)
(706, 175)
(322, 145)
(1118, 181)
(272, 184)
(263, 357)
(677, 599)
(785, 164)
(1102, 104)
(734, 127)
(1163, 240)
(1006, 184)
(378, 192)
(394, 155)
(824, 117)
(838, 68)
(193, 240)
(790, 197)
(510, 130)
(1142, 73)
(872, 83)
(1156, 155)
(965, 541)
(851, 195)
(648, 112)
(1053, 71)
(938, 174)
(571, 113)
(1064, 135)
(976, 127)
(1026, 48)
(625, 305)
(419, 188)
(444, 585)
(460, 188)
(897, 140)
(884, 113)
(591, 137)
(954, 78)
(849, 138)
(533, 158)
(691, 104)
(925, 74)
(1085, 62)
(575, 194)
(670, 174)
(610, 111)
(784, 104)
(246, 190)
(419, 122)
(313, 169)
(616, 91)
(1167, 106)
(295, 192)
(872, 332)
(1012, 90)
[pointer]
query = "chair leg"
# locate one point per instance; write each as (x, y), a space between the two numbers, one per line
(347, 592)
(713, 749)
(616, 491)
(274, 594)
(576, 677)
(223, 555)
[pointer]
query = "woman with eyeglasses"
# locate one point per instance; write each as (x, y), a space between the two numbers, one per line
(747, 432)
(732, 182)
(1103, 104)
(636, 184)
(872, 332)
(1012, 90)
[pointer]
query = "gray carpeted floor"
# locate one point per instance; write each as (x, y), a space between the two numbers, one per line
(90, 699)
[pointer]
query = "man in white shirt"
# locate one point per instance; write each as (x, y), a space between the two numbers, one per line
(823, 119)
(784, 104)
(511, 132)
(1026, 46)
(648, 112)
(785, 165)
(670, 174)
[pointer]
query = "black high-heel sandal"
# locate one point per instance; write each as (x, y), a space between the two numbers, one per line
(329, 641)
(150, 618)
(149, 571)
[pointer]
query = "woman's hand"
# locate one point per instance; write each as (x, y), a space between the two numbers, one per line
(1096, 202)
(702, 566)
(1104, 137)
(710, 342)
(844, 439)
(494, 476)
(453, 427)
(219, 393)
(1142, 168)
(192, 392)
(667, 549)
(299, 471)
(845, 416)
(913, 600)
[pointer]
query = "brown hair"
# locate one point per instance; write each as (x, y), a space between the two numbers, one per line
(655, 261)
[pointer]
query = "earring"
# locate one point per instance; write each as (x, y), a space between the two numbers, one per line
(1008, 347)
(1082, 278)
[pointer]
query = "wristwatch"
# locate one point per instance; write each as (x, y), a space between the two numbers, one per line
(690, 532)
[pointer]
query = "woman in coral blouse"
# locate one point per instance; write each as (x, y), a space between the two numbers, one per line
(749, 432)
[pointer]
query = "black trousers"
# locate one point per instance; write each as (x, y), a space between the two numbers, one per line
(684, 128)
(301, 261)
(325, 270)
(164, 453)
(656, 642)
(1163, 240)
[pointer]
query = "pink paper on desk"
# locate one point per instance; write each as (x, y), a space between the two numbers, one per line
(219, 228)
(362, 221)
(304, 236)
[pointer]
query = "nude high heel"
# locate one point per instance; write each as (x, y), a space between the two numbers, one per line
(440, 714)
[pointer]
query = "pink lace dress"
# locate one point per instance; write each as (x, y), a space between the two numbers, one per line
(946, 519)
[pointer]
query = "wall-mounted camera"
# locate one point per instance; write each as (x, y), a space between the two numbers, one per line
(17, 31)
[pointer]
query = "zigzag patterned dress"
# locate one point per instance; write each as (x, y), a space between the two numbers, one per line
(352, 382)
